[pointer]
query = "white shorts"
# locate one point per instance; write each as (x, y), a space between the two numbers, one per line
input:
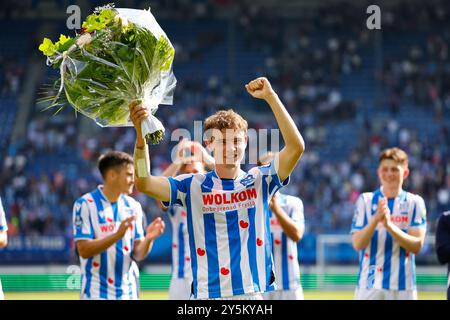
(292, 294)
(248, 296)
(180, 289)
(383, 294)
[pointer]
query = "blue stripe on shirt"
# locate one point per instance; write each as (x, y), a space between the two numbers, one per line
(267, 238)
(388, 251)
(401, 272)
(251, 245)
(234, 243)
(361, 260)
(87, 288)
(104, 275)
(373, 244)
(193, 249)
(284, 262)
(96, 195)
(118, 266)
(387, 261)
(104, 255)
(373, 260)
(413, 270)
(212, 255)
(180, 251)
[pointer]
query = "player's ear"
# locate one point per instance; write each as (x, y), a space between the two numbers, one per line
(112, 174)
(406, 173)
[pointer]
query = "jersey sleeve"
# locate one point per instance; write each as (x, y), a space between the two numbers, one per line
(359, 216)
(297, 209)
(3, 222)
(82, 225)
(269, 178)
(178, 190)
(419, 214)
(139, 232)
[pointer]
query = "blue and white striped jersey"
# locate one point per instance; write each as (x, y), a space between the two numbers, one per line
(383, 264)
(108, 275)
(3, 222)
(229, 230)
(181, 258)
(287, 270)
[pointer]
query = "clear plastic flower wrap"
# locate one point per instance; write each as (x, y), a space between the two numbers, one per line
(120, 55)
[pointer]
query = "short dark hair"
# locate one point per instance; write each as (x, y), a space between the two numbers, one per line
(113, 159)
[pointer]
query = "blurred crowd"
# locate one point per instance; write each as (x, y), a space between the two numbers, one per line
(11, 76)
(45, 171)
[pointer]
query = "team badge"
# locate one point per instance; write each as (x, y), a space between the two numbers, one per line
(403, 206)
(248, 180)
(78, 221)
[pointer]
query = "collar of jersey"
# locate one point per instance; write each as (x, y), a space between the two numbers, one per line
(401, 194)
(100, 191)
(241, 174)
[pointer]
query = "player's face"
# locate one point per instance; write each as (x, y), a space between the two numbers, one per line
(229, 146)
(124, 179)
(392, 174)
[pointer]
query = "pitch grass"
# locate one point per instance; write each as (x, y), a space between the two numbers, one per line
(163, 295)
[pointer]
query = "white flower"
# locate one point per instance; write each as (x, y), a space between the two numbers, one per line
(122, 20)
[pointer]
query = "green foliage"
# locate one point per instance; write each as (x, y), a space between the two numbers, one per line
(116, 67)
(99, 21)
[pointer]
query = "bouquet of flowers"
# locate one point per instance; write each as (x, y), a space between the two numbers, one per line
(120, 55)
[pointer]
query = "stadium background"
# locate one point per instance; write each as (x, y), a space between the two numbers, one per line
(352, 92)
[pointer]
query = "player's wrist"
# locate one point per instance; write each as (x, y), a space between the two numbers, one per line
(149, 237)
(142, 161)
(271, 96)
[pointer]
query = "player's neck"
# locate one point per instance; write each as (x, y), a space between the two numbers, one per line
(392, 192)
(226, 171)
(111, 193)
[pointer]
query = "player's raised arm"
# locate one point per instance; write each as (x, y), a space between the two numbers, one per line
(153, 186)
(294, 144)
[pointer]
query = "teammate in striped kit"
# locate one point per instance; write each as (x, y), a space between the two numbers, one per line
(109, 233)
(227, 208)
(3, 237)
(389, 227)
(287, 224)
(191, 157)
(443, 244)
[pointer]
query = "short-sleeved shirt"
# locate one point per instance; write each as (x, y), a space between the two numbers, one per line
(228, 223)
(285, 253)
(108, 275)
(383, 264)
(181, 258)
